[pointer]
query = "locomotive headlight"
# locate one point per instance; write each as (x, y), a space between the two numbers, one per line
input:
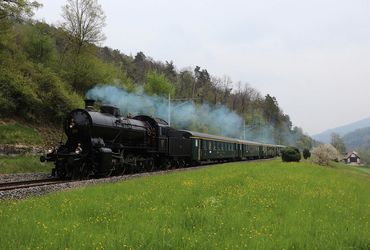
(72, 124)
(78, 149)
(50, 150)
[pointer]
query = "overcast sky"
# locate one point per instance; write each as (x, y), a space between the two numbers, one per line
(313, 56)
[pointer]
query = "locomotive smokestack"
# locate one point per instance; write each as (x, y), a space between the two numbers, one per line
(89, 104)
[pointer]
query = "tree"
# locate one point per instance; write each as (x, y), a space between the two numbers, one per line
(12, 11)
(325, 153)
(38, 44)
(338, 143)
(158, 84)
(17, 9)
(83, 21)
(306, 153)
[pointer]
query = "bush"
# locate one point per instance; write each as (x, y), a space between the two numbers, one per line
(306, 153)
(291, 154)
(35, 93)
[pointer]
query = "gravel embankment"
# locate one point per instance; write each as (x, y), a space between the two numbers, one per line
(41, 190)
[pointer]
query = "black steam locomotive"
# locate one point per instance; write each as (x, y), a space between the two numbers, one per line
(104, 143)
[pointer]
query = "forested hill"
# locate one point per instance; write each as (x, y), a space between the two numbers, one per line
(359, 138)
(45, 71)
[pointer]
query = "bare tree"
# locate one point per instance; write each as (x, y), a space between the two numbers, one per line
(84, 21)
(338, 143)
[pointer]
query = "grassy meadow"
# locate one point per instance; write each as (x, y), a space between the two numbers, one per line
(23, 164)
(255, 205)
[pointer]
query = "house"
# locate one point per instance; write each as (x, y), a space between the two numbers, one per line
(352, 158)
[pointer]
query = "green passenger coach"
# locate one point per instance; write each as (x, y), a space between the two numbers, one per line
(210, 148)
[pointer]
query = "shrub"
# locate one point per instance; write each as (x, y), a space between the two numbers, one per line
(306, 153)
(290, 154)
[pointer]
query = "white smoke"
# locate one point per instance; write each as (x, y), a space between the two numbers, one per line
(217, 119)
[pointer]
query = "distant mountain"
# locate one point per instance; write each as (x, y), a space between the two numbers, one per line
(359, 138)
(326, 135)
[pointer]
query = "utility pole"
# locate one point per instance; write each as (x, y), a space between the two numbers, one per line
(169, 109)
(244, 130)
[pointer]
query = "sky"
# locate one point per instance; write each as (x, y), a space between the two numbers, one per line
(313, 56)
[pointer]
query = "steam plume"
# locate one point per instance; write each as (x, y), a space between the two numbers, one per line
(218, 119)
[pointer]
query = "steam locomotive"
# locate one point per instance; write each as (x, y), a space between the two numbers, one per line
(104, 143)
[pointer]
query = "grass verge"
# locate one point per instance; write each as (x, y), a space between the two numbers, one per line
(22, 164)
(256, 205)
(15, 133)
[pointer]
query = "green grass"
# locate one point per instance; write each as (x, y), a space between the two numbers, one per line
(22, 164)
(350, 168)
(256, 205)
(13, 133)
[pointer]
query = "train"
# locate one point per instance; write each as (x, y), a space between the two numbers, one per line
(102, 143)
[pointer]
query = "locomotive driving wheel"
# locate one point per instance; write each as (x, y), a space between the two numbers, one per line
(150, 165)
(130, 163)
(166, 164)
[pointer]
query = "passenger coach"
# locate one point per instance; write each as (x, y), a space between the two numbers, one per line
(206, 147)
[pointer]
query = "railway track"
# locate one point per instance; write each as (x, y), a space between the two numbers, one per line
(29, 183)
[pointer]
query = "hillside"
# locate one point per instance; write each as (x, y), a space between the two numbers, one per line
(359, 138)
(45, 71)
(342, 130)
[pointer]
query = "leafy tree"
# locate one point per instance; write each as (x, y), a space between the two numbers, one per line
(11, 12)
(338, 143)
(158, 84)
(83, 22)
(306, 153)
(16, 10)
(86, 70)
(38, 45)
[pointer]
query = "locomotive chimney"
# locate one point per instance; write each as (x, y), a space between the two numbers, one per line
(89, 104)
